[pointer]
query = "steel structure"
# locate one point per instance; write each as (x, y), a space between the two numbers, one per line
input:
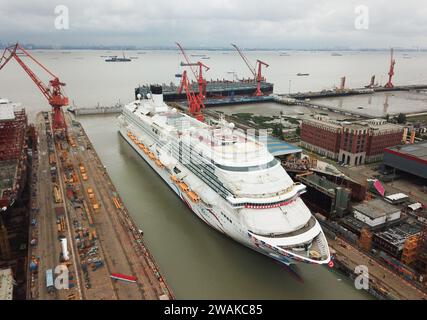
(195, 102)
(198, 75)
(12, 135)
(256, 71)
(200, 80)
(389, 84)
(52, 92)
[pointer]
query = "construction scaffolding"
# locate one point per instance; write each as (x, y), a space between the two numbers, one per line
(365, 240)
(12, 134)
(421, 259)
(12, 155)
(410, 250)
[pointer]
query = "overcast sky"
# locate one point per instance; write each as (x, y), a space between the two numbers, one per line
(212, 23)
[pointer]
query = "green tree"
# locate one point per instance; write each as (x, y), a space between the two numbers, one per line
(401, 118)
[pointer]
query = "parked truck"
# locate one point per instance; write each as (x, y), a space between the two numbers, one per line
(49, 281)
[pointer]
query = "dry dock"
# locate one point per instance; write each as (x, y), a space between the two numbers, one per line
(383, 283)
(76, 200)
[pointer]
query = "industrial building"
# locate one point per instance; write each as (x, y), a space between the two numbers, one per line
(396, 198)
(376, 212)
(408, 158)
(351, 143)
(332, 199)
(6, 284)
(393, 240)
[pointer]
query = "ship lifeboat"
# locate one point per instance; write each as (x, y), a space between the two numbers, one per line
(193, 196)
(140, 145)
(175, 179)
(151, 156)
(159, 164)
(145, 149)
(315, 255)
(183, 187)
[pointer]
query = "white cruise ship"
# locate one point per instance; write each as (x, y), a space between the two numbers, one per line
(228, 179)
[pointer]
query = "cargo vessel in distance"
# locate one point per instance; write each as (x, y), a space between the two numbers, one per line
(217, 92)
(228, 179)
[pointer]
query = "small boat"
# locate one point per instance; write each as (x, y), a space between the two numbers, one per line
(299, 74)
(335, 54)
(117, 59)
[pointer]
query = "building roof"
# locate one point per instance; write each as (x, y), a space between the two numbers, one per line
(396, 196)
(375, 208)
(6, 111)
(398, 235)
(6, 284)
(279, 147)
(416, 151)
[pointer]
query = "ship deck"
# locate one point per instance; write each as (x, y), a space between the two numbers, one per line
(213, 86)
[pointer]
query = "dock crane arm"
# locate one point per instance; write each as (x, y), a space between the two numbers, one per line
(187, 60)
(53, 92)
(246, 60)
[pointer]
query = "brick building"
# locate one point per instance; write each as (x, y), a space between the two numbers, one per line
(352, 143)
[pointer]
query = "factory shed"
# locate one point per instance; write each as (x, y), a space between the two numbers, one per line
(410, 158)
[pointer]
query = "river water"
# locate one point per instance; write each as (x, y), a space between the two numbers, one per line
(197, 261)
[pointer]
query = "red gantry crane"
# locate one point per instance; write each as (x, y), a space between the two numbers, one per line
(256, 71)
(389, 84)
(195, 102)
(198, 75)
(52, 92)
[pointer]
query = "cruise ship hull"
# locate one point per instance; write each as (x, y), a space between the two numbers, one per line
(214, 219)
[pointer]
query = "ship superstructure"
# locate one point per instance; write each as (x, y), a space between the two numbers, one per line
(227, 178)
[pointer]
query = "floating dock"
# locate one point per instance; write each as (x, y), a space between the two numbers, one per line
(117, 108)
(218, 92)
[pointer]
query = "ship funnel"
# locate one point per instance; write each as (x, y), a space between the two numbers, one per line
(157, 95)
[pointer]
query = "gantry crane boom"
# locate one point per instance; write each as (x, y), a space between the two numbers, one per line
(246, 60)
(187, 60)
(198, 75)
(256, 72)
(200, 80)
(53, 92)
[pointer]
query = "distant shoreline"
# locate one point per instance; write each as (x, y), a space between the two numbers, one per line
(173, 48)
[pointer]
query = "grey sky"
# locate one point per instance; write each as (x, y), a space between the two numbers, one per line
(251, 23)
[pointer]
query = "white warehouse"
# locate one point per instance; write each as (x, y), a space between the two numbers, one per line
(376, 212)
